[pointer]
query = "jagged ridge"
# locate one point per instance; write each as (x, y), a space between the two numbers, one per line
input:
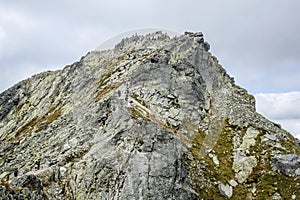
(153, 118)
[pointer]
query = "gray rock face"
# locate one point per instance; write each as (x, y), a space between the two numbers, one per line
(153, 118)
(288, 164)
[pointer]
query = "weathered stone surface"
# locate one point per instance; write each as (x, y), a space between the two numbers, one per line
(233, 183)
(153, 118)
(244, 168)
(225, 189)
(288, 164)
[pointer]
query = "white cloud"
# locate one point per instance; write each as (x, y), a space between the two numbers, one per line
(283, 108)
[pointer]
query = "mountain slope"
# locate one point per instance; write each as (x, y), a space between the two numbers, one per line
(154, 118)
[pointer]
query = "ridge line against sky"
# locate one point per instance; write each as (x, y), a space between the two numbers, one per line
(257, 42)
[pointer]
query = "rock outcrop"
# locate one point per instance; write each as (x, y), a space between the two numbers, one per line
(153, 118)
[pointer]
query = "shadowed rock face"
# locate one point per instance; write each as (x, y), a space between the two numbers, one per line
(153, 118)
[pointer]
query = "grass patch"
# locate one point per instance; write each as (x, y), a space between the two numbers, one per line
(266, 182)
(224, 150)
(104, 79)
(269, 184)
(36, 124)
(197, 142)
(135, 114)
(27, 127)
(207, 190)
(106, 90)
(53, 116)
(240, 192)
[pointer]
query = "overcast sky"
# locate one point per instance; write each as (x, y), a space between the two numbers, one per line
(257, 42)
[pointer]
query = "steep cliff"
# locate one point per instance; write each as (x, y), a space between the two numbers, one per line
(153, 118)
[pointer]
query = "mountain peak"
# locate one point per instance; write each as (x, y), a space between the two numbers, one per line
(156, 117)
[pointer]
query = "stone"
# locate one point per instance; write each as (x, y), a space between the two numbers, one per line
(62, 171)
(297, 172)
(214, 159)
(233, 183)
(297, 141)
(271, 137)
(276, 196)
(249, 138)
(244, 168)
(225, 189)
(288, 164)
(253, 190)
(206, 46)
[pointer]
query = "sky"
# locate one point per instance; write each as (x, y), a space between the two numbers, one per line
(257, 42)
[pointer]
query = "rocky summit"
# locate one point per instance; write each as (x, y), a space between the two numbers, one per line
(154, 118)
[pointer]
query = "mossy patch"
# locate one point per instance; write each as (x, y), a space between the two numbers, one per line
(268, 182)
(265, 181)
(197, 142)
(284, 185)
(223, 149)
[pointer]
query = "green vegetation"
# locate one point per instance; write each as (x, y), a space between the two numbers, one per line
(284, 185)
(197, 142)
(27, 127)
(268, 182)
(223, 150)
